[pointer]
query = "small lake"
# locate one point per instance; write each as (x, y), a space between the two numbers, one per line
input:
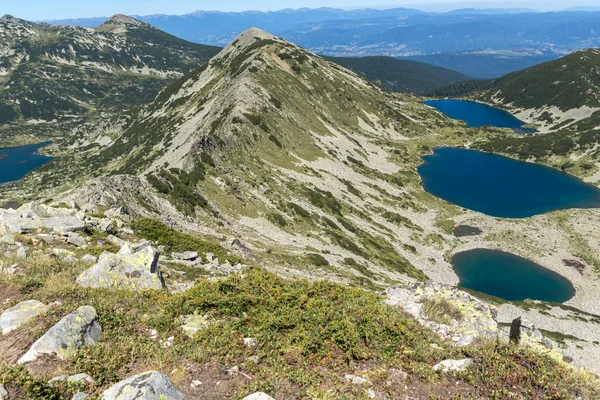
(500, 186)
(477, 114)
(510, 277)
(16, 162)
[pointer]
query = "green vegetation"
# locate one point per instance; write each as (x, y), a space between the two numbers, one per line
(175, 241)
(441, 310)
(308, 334)
(400, 75)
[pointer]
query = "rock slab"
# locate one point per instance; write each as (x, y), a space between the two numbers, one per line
(150, 385)
(70, 334)
(20, 314)
(134, 271)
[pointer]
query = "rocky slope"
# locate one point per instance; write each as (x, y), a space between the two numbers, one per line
(313, 169)
(58, 74)
(91, 308)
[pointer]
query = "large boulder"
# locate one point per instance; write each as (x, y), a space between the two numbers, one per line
(135, 271)
(20, 314)
(70, 334)
(147, 386)
(477, 318)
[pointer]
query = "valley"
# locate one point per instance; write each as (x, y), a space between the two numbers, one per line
(273, 156)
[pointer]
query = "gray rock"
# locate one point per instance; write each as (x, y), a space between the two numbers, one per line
(453, 365)
(63, 224)
(22, 253)
(7, 239)
(106, 226)
(88, 258)
(76, 240)
(134, 271)
(20, 314)
(357, 380)
(147, 386)
(3, 393)
(80, 396)
(9, 270)
(70, 334)
(85, 378)
(186, 255)
(258, 396)
(250, 342)
(192, 324)
(526, 334)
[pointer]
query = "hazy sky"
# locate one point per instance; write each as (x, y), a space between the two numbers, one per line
(52, 9)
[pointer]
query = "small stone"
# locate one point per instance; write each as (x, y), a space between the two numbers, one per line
(258, 396)
(195, 384)
(234, 370)
(186, 255)
(453, 365)
(80, 396)
(72, 379)
(396, 376)
(371, 393)
(22, 253)
(249, 342)
(357, 380)
(3, 393)
(256, 359)
(435, 346)
(210, 257)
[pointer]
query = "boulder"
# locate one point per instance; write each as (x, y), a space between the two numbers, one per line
(70, 334)
(135, 271)
(20, 314)
(147, 386)
(258, 396)
(63, 224)
(3, 393)
(526, 334)
(453, 365)
(76, 240)
(186, 255)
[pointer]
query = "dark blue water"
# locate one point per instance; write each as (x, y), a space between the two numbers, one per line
(510, 277)
(16, 162)
(500, 186)
(477, 114)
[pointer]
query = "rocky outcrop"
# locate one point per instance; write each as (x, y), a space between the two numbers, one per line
(31, 217)
(525, 333)
(70, 334)
(477, 318)
(147, 386)
(125, 270)
(20, 314)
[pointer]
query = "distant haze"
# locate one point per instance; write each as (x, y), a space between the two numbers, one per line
(60, 9)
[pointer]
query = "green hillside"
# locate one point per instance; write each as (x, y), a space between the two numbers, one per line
(400, 75)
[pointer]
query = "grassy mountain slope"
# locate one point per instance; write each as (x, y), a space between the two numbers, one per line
(61, 74)
(401, 75)
(288, 150)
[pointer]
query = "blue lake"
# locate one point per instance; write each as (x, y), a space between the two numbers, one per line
(510, 277)
(477, 114)
(500, 186)
(16, 162)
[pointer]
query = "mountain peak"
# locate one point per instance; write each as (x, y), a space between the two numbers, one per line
(120, 23)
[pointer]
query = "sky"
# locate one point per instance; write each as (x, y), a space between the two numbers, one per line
(58, 9)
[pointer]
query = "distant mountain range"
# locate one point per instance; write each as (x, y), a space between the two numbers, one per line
(482, 43)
